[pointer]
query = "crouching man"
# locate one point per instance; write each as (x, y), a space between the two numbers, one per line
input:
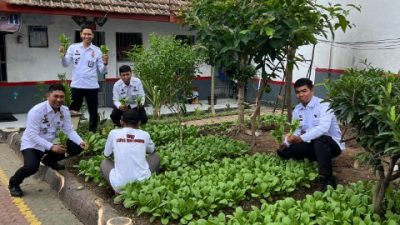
(318, 136)
(129, 146)
(43, 122)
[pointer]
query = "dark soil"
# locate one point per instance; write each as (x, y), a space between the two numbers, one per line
(343, 167)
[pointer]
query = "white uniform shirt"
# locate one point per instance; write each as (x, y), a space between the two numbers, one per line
(131, 91)
(42, 125)
(86, 63)
(316, 119)
(129, 147)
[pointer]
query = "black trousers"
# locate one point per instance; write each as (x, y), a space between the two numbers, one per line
(32, 158)
(116, 115)
(322, 150)
(92, 101)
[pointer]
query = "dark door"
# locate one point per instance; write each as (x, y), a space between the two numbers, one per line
(3, 69)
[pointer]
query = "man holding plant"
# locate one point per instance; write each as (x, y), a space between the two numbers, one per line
(128, 93)
(44, 121)
(318, 135)
(129, 146)
(87, 60)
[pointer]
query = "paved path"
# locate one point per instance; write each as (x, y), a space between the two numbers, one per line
(40, 204)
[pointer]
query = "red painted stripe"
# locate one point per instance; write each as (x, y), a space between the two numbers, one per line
(6, 7)
(325, 70)
(28, 83)
(274, 82)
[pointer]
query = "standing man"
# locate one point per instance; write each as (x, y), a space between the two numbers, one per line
(43, 121)
(318, 136)
(87, 61)
(129, 146)
(128, 93)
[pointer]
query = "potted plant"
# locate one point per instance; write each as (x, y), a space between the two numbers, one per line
(75, 115)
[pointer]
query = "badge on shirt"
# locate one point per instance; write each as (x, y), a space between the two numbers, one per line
(77, 60)
(90, 64)
(134, 88)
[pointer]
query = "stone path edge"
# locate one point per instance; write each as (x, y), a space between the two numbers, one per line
(87, 206)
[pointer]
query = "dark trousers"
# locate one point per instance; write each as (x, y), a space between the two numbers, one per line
(322, 150)
(116, 115)
(32, 158)
(92, 102)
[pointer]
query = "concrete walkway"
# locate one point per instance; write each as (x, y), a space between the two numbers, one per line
(40, 204)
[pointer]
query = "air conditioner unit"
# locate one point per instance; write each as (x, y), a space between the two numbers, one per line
(10, 22)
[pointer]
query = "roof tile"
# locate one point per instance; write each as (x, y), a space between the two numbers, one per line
(149, 7)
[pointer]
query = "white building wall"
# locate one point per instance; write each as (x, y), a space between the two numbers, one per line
(377, 21)
(40, 64)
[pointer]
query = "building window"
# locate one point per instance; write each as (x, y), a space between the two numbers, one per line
(125, 42)
(186, 39)
(38, 37)
(98, 39)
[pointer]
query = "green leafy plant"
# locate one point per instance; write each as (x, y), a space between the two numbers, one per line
(65, 42)
(201, 150)
(104, 49)
(124, 101)
(68, 95)
(368, 100)
(90, 169)
(345, 205)
(214, 186)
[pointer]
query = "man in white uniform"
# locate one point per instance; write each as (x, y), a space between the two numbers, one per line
(87, 61)
(43, 122)
(131, 89)
(129, 146)
(318, 137)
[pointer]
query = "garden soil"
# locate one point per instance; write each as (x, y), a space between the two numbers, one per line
(343, 166)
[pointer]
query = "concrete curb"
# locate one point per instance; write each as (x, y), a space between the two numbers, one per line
(86, 206)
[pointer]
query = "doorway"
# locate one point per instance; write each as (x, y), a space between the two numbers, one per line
(3, 69)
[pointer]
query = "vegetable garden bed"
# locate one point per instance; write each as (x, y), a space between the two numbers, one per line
(212, 175)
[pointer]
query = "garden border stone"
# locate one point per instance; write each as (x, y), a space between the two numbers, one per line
(84, 204)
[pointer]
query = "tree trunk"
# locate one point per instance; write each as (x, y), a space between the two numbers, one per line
(256, 112)
(241, 104)
(212, 90)
(382, 184)
(156, 112)
(289, 80)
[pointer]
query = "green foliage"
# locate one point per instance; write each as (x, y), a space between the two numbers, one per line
(345, 205)
(124, 101)
(188, 193)
(368, 100)
(68, 95)
(279, 132)
(166, 63)
(201, 150)
(65, 42)
(104, 49)
(90, 169)
(163, 133)
(61, 138)
(95, 143)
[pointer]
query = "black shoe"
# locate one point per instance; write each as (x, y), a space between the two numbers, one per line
(328, 181)
(15, 191)
(54, 165)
